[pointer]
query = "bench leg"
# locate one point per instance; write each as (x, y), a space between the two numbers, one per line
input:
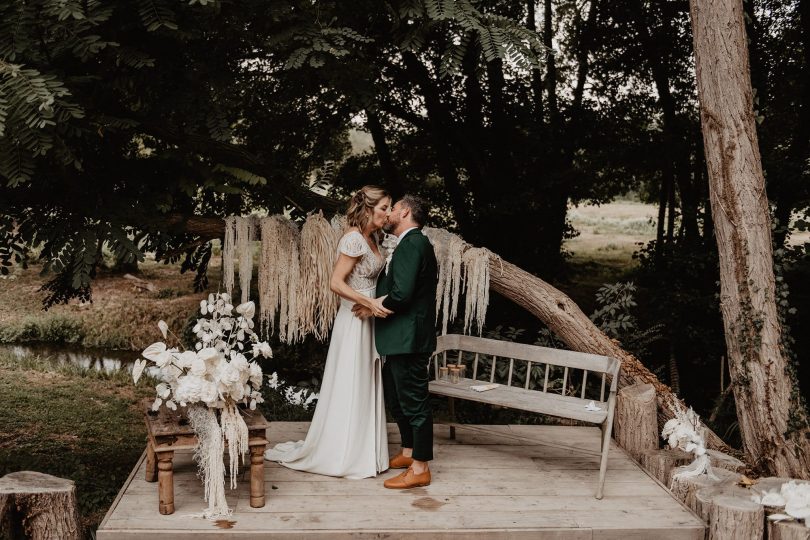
(451, 405)
(606, 432)
(165, 482)
(151, 465)
(257, 476)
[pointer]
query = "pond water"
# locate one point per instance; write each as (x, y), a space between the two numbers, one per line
(108, 360)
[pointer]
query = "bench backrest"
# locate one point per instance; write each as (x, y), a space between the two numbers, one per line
(533, 367)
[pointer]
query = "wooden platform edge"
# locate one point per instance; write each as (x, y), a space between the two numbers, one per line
(121, 492)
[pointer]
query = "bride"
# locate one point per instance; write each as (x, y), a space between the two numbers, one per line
(347, 436)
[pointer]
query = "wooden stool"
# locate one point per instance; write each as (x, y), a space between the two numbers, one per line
(169, 431)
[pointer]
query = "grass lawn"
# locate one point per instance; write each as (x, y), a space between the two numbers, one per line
(72, 423)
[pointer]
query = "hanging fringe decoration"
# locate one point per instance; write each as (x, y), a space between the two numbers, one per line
(476, 287)
(317, 304)
(208, 455)
(235, 433)
(449, 250)
(244, 251)
(278, 277)
(228, 249)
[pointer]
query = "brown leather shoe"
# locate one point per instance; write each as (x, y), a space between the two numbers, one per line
(399, 462)
(408, 479)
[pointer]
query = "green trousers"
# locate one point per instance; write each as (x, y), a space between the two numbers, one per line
(405, 382)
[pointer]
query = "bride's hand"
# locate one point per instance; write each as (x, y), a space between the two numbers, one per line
(361, 312)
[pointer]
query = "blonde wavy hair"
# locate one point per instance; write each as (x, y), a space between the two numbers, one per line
(361, 205)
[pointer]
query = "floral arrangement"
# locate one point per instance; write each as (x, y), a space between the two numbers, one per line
(685, 433)
(793, 496)
(212, 380)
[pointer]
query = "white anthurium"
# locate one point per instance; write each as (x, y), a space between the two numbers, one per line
(153, 351)
(203, 307)
(185, 359)
(137, 369)
(156, 404)
(164, 328)
(247, 310)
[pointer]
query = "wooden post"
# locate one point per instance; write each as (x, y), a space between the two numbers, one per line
(660, 462)
(733, 518)
(39, 506)
(165, 482)
(151, 465)
(257, 476)
(636, 428)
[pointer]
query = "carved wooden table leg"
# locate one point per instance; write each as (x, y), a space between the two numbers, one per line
(165, 482)
(257, 476)
(151, 468)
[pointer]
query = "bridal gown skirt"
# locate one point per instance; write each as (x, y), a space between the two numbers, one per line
(347, 436)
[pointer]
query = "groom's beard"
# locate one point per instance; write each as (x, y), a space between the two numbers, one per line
(388, 228)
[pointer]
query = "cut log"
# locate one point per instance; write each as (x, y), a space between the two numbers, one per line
(636, 424)
(787, 530)
(734, 518)
(38, 506)
(684, 488)
(704, 497)
(719, 460)
(660, 462)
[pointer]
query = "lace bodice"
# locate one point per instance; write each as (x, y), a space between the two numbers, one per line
(369, 265)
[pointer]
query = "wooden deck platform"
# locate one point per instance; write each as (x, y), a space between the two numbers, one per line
(533, 482)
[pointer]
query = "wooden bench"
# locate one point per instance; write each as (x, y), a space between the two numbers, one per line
(169, 431)
(554, 382)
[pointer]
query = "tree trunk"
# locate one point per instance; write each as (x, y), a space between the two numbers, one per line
(764, 392)
(389, 170)
(38, 506)
(636, 424)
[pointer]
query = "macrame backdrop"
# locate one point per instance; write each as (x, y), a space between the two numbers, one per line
(295, 268)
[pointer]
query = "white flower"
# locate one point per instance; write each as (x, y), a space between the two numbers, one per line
(198, 367)
(156, 404)
(247, 310)
(273, 381)
(185, 359)
(137, 369)
(163, 390)
(770, 498)
(163, 328)
(153, 351)
(203, 307)
(255, 374)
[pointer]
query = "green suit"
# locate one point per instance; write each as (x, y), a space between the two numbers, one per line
(408, 337)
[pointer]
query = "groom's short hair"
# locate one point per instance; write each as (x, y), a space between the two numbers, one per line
(418, 206)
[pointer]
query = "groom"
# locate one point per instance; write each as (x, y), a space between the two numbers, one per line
(407, 339)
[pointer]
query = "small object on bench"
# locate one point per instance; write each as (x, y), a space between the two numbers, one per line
(525, 397)
(38, 506)
(169, 431)
(484, 387)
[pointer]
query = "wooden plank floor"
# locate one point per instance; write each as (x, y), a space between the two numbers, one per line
(520, 482)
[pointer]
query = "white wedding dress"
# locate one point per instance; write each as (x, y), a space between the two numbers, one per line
(347, 436)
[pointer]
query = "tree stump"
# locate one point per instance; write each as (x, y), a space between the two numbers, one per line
(734, 518)
(787, 530)
(660, 462)
(38, 506)
(704, 497)
(719, 460)
(685, 488)
(636, 425)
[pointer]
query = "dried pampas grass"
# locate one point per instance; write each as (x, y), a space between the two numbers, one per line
(228, 250)
(317, 304)
(244, 252)
(278, 277)
(449, 249)
(476, 287)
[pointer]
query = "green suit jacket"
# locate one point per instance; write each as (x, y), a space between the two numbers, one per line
(410, 283)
